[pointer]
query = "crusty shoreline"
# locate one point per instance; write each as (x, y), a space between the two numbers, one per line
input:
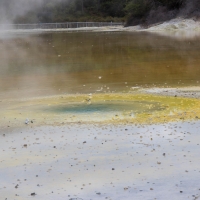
(110, 162)
(188, 92)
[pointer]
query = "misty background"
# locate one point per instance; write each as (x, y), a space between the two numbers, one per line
(131, 11)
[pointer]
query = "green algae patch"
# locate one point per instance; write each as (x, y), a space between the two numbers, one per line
(102, 108)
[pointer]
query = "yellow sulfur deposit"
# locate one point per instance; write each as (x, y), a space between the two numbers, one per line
(100, 108)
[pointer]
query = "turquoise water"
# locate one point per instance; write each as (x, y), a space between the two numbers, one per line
(106, 107)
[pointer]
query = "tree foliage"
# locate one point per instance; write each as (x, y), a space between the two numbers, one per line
(132, 11)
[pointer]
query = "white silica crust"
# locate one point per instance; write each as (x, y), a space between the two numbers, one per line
(101, 162)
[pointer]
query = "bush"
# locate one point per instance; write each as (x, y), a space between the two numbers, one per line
(137, 8)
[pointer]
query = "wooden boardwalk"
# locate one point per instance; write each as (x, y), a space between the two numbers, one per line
(65, 25)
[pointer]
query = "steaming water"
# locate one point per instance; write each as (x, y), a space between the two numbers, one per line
(86, 161)
(63, 63)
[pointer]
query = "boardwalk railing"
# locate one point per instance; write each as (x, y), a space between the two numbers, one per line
(60, 25)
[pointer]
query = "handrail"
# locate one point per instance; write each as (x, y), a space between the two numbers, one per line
(59, 25)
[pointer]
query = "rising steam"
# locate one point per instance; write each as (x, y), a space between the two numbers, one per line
(10, 9)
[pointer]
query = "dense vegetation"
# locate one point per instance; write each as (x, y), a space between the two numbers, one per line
(76, 10)
(132, 11)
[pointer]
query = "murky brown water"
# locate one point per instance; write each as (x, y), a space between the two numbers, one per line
(63, 63)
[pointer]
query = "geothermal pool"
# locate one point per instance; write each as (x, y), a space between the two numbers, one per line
(34, 65)
(99, 115)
